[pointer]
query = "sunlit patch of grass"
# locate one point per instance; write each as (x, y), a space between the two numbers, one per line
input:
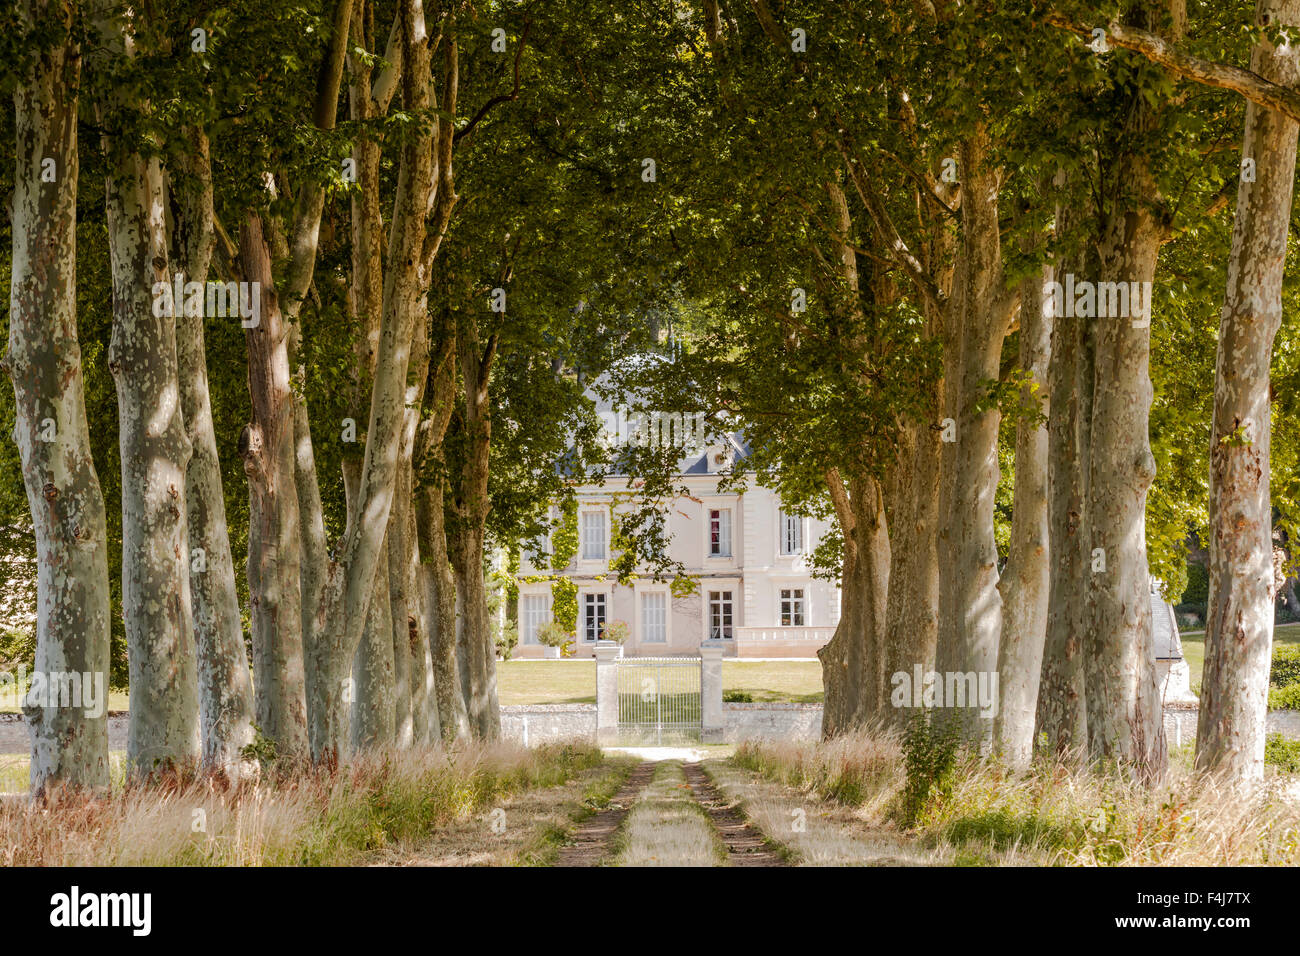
(15, 771)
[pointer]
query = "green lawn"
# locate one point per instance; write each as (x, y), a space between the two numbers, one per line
(798, 682)
(1194, 648)
(15, 771)
(574, 682)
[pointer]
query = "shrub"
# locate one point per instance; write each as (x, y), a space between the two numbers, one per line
(1285, 670)
(1197, 595)
(737, 697)
(616, 631)
(929, 755)
(553, 634)
(1284, 698)
(506, 638)
(18, 647)
(556, 634)
(1282, 753)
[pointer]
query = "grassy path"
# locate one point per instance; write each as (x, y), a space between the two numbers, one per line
(745, 844)
(667, 826)
(813, 831)
(591, 842)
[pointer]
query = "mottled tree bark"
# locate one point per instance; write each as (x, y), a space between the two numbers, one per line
(472, 507)
(912, 607)
(438, 584)
(346, 595)
(155, 449)
(373, 707)
(1062, 711)
(224, 682)
(274, 555)
(436, 577)
(323, 677)
(373, 665)
(1125, 718)
(1024, 582)
(1239, 628)
(400, 555)
(853, 661)
(970, 618)
(69, 744)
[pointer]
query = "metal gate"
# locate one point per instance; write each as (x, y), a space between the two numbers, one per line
(659, 700)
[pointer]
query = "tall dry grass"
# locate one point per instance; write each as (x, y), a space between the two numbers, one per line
(1051, 813)
(315, 818)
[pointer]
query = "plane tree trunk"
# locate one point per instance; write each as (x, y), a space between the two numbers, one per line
(224, 681)
(1024, 581)
(1239, 627)
(971, 606)
(43, 360)
(274, 555)
(155, 449)
(1062, 711)
(853, 661)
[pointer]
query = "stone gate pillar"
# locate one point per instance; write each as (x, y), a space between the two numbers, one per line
(607, 655)
(712, 725)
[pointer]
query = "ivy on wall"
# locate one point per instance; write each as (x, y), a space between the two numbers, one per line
(564, 546)
(564, 539)
(564, 604)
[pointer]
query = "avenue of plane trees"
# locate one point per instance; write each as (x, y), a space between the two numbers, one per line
(305, 300)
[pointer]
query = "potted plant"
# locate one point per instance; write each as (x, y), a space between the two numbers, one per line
(616, 631)
(556, 639)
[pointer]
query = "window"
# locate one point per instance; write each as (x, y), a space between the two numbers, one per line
(720, 533)
(792, 607)
(791, 534)
(539, 551)
(654, 617)
(720, 615)
(593, 536)
(534, 614)
(593, 616)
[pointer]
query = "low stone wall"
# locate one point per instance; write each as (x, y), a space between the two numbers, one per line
(1180, 723)
(773, 721)
(804, 722)
(548, 723)
(551, 723)
(14, 738)
(794, 650)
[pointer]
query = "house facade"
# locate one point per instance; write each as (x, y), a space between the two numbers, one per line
(748, 555)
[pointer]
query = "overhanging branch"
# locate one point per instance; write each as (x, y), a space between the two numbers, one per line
(1208, 72)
